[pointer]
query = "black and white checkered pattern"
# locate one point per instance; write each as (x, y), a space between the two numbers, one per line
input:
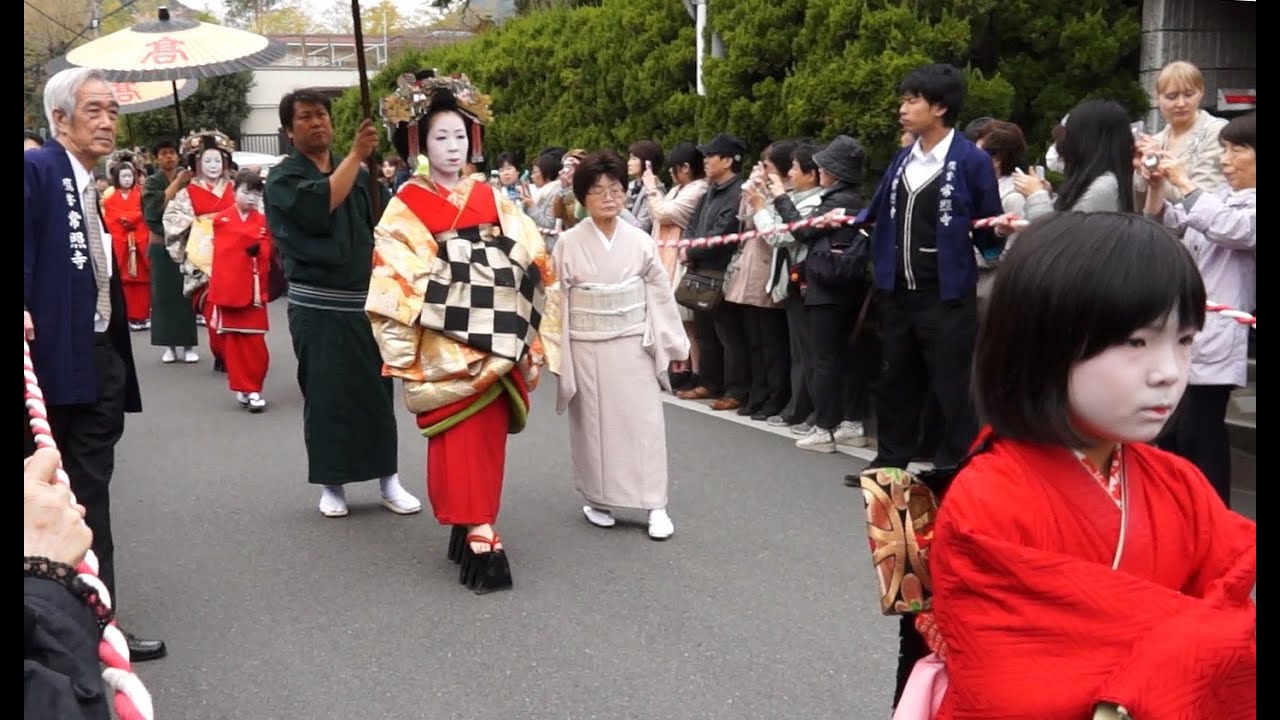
(486, 294)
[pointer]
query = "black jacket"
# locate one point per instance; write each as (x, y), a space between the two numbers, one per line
(840, 195)
(61, 676)
(716, 214)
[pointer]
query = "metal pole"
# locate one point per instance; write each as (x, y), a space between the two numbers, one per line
(700, 27)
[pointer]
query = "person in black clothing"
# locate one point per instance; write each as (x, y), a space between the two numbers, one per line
(832, 309)
(722, 340)
(60, 675)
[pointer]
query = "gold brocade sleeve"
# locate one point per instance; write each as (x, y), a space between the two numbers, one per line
(403, 250)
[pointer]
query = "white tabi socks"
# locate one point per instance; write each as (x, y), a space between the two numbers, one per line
(395, 498)
(333, 501)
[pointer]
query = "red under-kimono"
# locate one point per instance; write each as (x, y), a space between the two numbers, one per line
(465, 464)
(1036, 622)
(122, 210)
(205, 202)
(237, 291)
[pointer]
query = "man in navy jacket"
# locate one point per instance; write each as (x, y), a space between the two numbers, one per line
(924, 268)
(74, 314)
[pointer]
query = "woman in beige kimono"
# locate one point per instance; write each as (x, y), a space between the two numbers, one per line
(621, 332)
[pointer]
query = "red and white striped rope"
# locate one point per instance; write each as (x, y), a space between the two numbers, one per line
(809, 222)
(1239, 316)
(132, 700)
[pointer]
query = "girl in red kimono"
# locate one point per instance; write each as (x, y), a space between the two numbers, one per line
(187, 222)
(122, 210)
(1076, 568)
(238, 290)
(455, 300)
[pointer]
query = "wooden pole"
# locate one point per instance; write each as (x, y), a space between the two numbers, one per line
(375, 197)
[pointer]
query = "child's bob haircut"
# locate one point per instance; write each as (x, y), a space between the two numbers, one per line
(1073, 285)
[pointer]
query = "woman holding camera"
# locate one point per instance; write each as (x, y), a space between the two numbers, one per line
(1190, 134)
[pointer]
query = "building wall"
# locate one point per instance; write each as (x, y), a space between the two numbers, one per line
(272, 83)
(1218, 36)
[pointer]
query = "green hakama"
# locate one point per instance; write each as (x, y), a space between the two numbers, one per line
(173, 320)
(349, 422)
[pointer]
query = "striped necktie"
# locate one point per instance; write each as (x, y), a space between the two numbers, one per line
(101, 273)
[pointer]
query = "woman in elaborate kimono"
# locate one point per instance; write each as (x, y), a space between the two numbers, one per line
(621, 333)
(1077, 569)
(122, 210)
(188, 221)
(238, 290)
(456, 302)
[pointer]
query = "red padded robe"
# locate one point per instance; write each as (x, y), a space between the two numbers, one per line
(1038, 625)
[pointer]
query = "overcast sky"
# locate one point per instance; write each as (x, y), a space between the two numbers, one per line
(215, 6)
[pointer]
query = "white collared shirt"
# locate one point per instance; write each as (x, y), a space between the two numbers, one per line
(923, 165)
(83, 178)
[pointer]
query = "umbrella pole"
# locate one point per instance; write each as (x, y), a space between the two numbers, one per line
(375, 197)
(177, 106)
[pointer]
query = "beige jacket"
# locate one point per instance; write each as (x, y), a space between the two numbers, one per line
(1199, 149)
(747, 280)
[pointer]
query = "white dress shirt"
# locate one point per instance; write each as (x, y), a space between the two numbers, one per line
(83, 178)
(922, 166)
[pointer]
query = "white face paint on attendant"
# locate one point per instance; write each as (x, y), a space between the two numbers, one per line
(211, 165)
(446, 146)
(247, 199)
(1127, 392)
(125, 178)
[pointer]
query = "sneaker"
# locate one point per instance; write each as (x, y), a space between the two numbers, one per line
(255, 403)
(398, 500)
(168, 357)
(599, 518)
(818, 440)
(660, 525)
(776, 421)
(801, 429)
(851, 433)
(190, 356)
(333, 501)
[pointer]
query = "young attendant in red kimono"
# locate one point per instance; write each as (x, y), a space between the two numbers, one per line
(455, 301)
(122, 210)
(1077, 569)
(238, 290)
(187, 225)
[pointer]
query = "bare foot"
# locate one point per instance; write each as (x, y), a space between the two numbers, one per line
(485, 531)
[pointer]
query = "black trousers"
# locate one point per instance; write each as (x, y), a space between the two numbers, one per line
(722, 348)
(838, 376)
(87, 437)
(801, 403)
(769, 354)
(1199, 434)
(927, 345)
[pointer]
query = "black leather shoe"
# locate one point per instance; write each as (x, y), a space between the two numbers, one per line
(143, 650)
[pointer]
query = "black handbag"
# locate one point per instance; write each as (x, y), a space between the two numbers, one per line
(701, 290)
(840, 264)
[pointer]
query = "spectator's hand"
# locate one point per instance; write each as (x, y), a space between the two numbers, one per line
(53, 525)
(365, 141)
(776, 187)
(28, 327)
(1026, 184)
(830, 219)
(1174, 170)
(649, 180)
(754, 196)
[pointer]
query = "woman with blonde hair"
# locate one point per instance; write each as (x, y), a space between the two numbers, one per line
(1190, 133)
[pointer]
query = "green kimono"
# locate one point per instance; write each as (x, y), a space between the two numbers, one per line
(348, 419)
(173, 320)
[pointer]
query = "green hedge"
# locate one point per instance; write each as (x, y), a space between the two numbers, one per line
(606, 76)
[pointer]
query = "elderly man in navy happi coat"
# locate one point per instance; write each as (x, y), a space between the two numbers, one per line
(74, 312)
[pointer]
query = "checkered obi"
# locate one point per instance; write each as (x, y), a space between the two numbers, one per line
(607, 308)
(484, 290)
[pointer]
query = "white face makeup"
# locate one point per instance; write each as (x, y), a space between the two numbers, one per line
(446, 146)
(247, 199)
(211, 165)
(125, 178)
(1127, 392)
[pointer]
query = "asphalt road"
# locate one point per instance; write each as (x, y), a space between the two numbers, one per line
(763, 604)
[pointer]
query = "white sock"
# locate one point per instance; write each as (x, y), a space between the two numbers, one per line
(390, 485)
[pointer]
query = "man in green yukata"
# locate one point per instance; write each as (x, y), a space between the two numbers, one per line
(321, 222)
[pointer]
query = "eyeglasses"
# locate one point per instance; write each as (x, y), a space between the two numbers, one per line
(615, 191)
